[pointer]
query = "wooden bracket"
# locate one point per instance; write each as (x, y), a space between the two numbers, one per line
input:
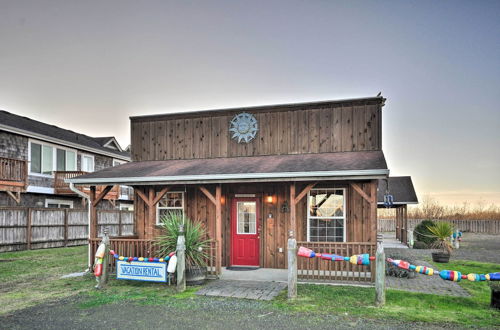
(103, 193)
(303, 193)
(369, 199)
(16, 196)
(208, 194)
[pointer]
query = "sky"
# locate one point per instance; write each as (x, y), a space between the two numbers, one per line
(89, 65)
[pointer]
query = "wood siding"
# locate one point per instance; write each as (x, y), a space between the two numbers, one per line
(361, 226)
(323, 128)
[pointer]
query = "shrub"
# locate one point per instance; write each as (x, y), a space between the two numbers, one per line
(422, 232)
(420, 245)
(442, 232)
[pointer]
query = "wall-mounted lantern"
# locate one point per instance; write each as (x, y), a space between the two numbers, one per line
(285, 208)
(269, 199)
(222, 200)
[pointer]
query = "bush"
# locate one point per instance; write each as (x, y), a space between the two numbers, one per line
(422, 232)
(420, 245)
(395, 271)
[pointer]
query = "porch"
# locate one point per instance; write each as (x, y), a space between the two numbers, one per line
(61, 187)
(13, 177)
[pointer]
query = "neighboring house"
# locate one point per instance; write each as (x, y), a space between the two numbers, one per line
(35, 158)
(256, 175)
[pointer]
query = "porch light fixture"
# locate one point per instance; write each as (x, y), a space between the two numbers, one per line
(222, 200)
(269, 199)
(284, 207)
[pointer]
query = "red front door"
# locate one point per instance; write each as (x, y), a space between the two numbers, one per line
(245, 232)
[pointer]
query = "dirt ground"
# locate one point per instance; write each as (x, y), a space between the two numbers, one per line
(205, 313)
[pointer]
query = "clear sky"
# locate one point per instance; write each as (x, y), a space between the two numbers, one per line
(89, 65)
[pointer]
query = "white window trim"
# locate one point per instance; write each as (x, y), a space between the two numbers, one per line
(81, 162)
(130, 207)
(158, 208)
(118, 161)
(54, 156)
(344, 217)
(237, 228)
(58, 201)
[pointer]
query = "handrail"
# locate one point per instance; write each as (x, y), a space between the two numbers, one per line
(14, 170)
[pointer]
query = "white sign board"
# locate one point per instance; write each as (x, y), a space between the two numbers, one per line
(141, 271)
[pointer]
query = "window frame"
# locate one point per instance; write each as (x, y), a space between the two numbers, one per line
(158, 208)
(54, 157)
(58, 202)
(81, 162)
(343, 217)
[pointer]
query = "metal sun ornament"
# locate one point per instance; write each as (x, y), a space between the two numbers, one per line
(244, 127)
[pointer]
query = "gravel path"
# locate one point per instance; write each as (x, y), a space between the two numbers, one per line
(200, 313)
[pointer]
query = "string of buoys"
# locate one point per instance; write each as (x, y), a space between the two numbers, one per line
(129, 259)
(364, 259)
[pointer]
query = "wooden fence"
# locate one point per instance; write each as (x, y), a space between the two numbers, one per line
(319, 270)
(473, 226)
(38, 228)
(134, 247)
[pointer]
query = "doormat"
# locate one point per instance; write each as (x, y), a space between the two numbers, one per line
(242, 268)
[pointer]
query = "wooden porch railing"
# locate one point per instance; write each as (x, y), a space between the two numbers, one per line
(318, 270)
(61, 187)
(13, 174)
(134, 247)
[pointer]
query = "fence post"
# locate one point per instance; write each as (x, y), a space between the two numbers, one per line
(181, 260)
(292, 266)
(103, 279)
(410, 238)
(380, 273)
(66, 227)
(28, 229)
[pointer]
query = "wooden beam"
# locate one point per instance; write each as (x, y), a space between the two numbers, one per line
(293, 220)
(160, 195)
(373, 211)
(93, 213)
(144, 198)
(16, 196)
(151, 214)
(102, 195)
(218, 226)
(304, 192)
(360, 191)
(208, 194)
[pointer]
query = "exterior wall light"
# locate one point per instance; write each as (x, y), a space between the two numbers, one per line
(269, 199)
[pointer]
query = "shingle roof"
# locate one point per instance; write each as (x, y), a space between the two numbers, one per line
(400, 187)
(349, 164)
(34, 126)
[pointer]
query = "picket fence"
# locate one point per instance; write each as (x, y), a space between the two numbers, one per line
(24, 228)
(473, 226)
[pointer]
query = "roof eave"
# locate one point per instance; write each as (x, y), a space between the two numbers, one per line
(239, 177)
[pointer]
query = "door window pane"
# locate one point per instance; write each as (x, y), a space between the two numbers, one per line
(47, 160)
(247, 218)
(70, 161)
(61, 159)
(36, 158)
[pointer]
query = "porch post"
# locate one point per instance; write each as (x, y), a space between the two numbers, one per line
(93, 213)
(218, 226)
(380, 273)
(292, 267)
(293, 220)
(181, 260)
(373, 210)
(151, 214)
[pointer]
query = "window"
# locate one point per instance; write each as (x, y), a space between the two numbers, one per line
(126, 207)
(87, 163)
(172, 202)
(58, 204)
(247, 218)
(46, 158)
(326, 215)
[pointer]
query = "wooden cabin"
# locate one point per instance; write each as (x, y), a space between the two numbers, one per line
(254, 176)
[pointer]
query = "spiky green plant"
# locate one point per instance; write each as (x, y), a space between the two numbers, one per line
(195, 235)
(441, 231)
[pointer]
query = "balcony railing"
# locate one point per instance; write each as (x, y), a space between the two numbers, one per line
(13, 174)
(62, 188)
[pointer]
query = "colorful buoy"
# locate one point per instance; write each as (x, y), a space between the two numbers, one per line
(450, 275)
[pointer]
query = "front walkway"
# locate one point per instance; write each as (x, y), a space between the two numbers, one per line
(390, 242)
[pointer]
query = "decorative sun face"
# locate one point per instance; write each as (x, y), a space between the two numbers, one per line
(244, 127)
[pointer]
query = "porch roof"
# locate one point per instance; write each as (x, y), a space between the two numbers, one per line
(338, 165)
(400, 187)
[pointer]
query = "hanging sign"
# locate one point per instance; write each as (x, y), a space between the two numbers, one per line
(141, 271)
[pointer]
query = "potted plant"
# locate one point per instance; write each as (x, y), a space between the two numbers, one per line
(196, 244)
(441, 231)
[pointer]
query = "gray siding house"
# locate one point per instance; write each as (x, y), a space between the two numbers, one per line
(36, 158)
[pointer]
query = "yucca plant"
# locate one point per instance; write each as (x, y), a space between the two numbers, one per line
(195, 235)
(441, 231)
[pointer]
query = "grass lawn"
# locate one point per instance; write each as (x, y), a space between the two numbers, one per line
(32, 277)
